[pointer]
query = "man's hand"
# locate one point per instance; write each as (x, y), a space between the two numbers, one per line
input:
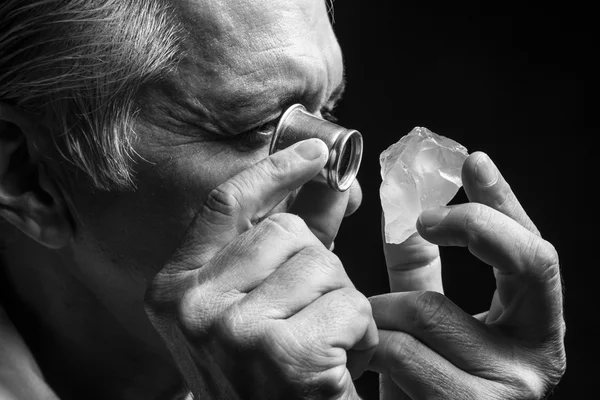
(254, 305)
(432, 349)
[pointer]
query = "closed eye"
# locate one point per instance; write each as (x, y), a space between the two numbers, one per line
(257, 138)
(327, 113)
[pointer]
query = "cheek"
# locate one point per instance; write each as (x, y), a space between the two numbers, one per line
(140, 230)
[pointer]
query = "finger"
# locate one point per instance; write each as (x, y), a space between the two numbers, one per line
(239, 203)
(349, 320)
(443, 327)
(308, 275)
(420, 371)
(311, 346)
(413, 265)
(322, 208)
(360, 355)
(484, 184)
(334, 324)
(252, 257)
(527, 265)
(242, 266)
(355, 198)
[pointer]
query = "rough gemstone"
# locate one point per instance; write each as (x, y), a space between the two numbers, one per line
(420, 171)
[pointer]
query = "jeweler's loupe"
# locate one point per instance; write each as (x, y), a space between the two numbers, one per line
(345, 145)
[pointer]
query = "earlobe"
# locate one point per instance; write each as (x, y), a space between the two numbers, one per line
(29, 197)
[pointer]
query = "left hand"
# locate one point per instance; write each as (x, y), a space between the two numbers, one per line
(430, 347)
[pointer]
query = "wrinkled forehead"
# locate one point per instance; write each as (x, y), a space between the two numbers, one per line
(240, 51)
(258, 22)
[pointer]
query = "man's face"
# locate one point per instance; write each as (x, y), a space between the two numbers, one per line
(246, 62)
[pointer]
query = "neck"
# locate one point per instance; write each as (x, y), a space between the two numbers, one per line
(78, 344)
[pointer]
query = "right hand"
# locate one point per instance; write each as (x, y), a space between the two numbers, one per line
(257, 307)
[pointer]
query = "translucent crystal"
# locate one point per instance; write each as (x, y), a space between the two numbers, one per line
(420, 171)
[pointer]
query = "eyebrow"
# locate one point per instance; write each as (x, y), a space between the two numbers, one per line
(331, 102)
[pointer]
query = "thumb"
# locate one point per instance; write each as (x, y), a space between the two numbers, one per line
(413, 265)
(321, 208)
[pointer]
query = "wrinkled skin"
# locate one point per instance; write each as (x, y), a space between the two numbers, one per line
(191, 135)
(224, 251)
(262, 310)
(262, 57)
(431, 349)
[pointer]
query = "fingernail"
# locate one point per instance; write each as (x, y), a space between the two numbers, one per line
(433, 216)
(309, 150)
(485, 171)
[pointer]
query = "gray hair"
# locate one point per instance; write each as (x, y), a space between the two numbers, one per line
(80, 63)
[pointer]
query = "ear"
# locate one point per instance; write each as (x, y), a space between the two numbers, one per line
(29, 198)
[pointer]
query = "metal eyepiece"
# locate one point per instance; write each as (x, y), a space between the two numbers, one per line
(345, 145)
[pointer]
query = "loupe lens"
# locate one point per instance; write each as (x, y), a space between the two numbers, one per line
(348, 161)
(345, 145)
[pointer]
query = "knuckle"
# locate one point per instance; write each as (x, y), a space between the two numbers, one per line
(543, 257)
(222, 202)
(270, 337)
(197, 310)
(285, 224)
(537, 375)
(163, 293)
(359, 302)
(158, 293)
(429, 311)
(232, 328)
(527, 384)
(318, 257)
(189, 314)
(503, 198)
(275, 167)
(330, 384)
(477, 218)
(185, 258)
(354, 309)
(242, 335)
(295, 359)
(400, 350)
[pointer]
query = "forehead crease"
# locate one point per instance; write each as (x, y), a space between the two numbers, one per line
(253, 55)
(217, 26)
(244, 87)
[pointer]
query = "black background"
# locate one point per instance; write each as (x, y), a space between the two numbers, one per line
(507, 79)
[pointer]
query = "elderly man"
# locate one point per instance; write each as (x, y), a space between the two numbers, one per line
(154, 249)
